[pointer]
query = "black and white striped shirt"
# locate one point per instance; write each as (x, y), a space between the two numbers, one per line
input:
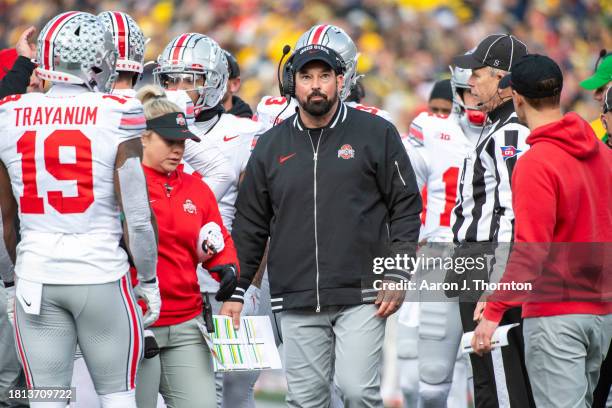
(483, 212)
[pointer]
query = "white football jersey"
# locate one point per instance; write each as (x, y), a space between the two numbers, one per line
(126, 93)
(60, 149)
(234, 137)
(436, 147)
(272, 110)
(269, 109)
(204, 157)
(371, 109)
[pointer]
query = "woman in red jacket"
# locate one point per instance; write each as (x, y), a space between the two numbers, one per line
(190, 231)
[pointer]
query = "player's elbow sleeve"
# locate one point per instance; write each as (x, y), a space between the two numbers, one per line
(137, 212)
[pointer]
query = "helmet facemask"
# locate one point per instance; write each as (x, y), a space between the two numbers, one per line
(459, 85)
(197, 57)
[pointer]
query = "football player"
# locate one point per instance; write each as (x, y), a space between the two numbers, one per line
(195, 64)
(71, 159)
(209, 162)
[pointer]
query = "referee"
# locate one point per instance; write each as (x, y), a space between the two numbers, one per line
(484, 216)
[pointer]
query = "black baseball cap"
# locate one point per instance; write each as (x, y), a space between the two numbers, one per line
(442, 90)
(232, 64)
(316, 52)
(528, 76)
(171, 126)
(607, 106)
(497, 51)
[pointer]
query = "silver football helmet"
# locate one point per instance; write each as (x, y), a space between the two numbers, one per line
(339, 41)
(128, 38)
(192, 55)
(75, 48)
(459, 83)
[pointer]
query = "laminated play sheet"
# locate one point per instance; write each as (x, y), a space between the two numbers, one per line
(252, 347)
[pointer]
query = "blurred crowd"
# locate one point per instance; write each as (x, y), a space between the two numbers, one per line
(405, 45)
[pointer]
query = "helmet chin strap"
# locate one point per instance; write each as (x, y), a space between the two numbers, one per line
(198, 106)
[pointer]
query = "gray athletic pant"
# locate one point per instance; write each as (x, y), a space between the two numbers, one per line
(104, 319)
(353, 334)
(11, 375)
(182, 372)
(265, 309)
(563, 355)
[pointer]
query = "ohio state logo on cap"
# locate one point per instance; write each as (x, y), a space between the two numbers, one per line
(180, 120)
(346, 152)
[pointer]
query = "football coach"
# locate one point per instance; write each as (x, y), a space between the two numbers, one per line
(333, 189)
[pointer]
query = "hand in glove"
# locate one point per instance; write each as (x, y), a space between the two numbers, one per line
(228, 282)
(149, 292)
(151, 349)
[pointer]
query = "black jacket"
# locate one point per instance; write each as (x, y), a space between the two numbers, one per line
(17, 79)
(329, 214)
(240, 108)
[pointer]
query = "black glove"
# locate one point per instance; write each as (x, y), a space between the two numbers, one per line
(151, 349)
(228, 282)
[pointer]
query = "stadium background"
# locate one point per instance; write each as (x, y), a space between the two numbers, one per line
(405, 46)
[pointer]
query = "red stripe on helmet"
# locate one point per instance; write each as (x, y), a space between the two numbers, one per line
(318, 32)
(47, 43)
(177, 47)
(121, 35)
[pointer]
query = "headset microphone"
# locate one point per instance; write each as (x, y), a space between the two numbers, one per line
(281, 86)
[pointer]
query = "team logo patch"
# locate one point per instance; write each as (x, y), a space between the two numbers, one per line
(180, 120)
(346, 152)
(509, 151)
(189, 207)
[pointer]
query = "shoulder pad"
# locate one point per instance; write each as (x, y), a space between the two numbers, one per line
(9, 99)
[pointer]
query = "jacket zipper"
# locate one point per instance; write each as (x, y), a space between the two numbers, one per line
(399, 173)
(167, 190)
(315, 153)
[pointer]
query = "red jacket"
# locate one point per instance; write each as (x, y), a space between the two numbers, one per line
(182, 204)
(561, 195)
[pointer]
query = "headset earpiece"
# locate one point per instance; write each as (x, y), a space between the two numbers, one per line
(288, 79)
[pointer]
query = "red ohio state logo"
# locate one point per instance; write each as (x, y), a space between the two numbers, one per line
(346, 152)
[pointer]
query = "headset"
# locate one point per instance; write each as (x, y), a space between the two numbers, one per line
(603, 54)
(286, 84)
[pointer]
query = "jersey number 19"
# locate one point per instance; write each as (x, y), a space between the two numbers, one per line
(80, 171)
